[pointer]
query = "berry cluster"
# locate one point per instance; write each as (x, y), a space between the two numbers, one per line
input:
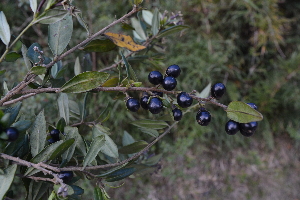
(54, 133)
(246, 129)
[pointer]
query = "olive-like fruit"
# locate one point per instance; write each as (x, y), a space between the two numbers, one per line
(231, 127)
(54, 133)
(133, 104)
(66, 176)
(144, 102)
(177, 114)
(248, 129)
(155, 105)
(252, 105)
(218, 90)
(155, 77)
(173, 70)
(184, 100)
(12, 134)
(169, 83)
(203, 117)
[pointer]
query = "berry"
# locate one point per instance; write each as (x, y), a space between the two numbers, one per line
(248, 129)
(66, 176)
(231, 127)
(54, 133)
(252, 105)
(144, 102)
(133, 104)
(169, 83)
(184, 100)
(51, 140)
(155, 105)
(177, 114)
(173, 70)
(12, 134)
(217, 90)
(155, 77)
(161, 94)
(203, 117)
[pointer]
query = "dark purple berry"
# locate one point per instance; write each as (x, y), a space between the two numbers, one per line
(184, 100)
(173, 70)
(155, 77)
(169, 83)
(218, 90)
(155, 105)
(144, 102)
(248, 129)
(252, 105)
(161, 94)
(231, 127)
(132, 104)
(66, 176)
(177, 114)
(54, 133)
(12, 134)
(203, 117)
(246, 134)
(51, 140)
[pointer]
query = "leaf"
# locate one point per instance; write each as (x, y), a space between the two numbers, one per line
(171, 30)
(124, 41)
(109, 148)
(62, 148)
(84, 82)
(50, 3)
(120, 174)
(22, 125)
(38, 134)
(130, 73)
(57, 70)
(82, 22)
(147, 123)
(6, 179)
(59, 34)
(61, 124)
(83, 110)
(77, 190)
(33, 55)
(112, 170)
(63, 107)
(152, 132)
(155, 22)
(96, 145)
(12, 56)
(241, 112)
(98, 195)
(38, 70)
(2, 72)
(11, 114)
(4, 29)
(127, 139)
(77, 67)
(112, 82)
(127, 26)
(51, 16)
(138, 28)
(205, 92)
(24, 53)
(133, 148)
(103, 45)
(33, 5)
(153, 160)
(147, 16)
(37, 189)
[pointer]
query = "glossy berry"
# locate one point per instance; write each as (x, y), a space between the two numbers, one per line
(203, 117)
(12, 134)
(169, 83)
(177, 114)
(252, 105)
(155, 77)
(173, 70)
(161, 94)
(51, 140)
(248, 129)
(246, 134)
(132, 104)
(218, 90)
(155, 105)
(231, 127)
(144, 102)
(184, 100)
(66, 176)
(54, 133)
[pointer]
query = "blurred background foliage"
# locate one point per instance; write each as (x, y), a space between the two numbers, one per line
(250, 45)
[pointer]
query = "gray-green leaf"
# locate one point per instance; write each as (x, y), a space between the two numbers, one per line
(171, 30)
(33, 5)
(12, 56)
(100, 45)
(147, 123)
(6, 179)
(4, 29)
(84, 82)
(38, 70)
(147, 16)
(150, 131)
(155, 22)
(241, 112)
(63, 106)
(133, 148)
(94, 149)
(51, 16)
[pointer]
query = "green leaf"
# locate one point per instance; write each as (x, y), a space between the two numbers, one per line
(138, 2)
(4, 29)
(62, 148)
(11, 114)
(127, 139)
(24, 53)
(133, 148)
(171, 30)
(241, 112)
(148, 123)
(127, 26)
(22, 125)
(120, 174)
(38, 134)
(112, 170)
(57, 70)
(147, 16)
(139, 31)
(130, 73)
(2, 72)
(77, 190)
(51, 16)
(153, 160)
(98, 195)
(84, 82)
(63, 107)
(61, 124)
(50, 3)
(33, 55)
(155, 22)
(205, 92)
(59, 34)
(12, 56)
(33, 5)
(77, 67)
(6, 179)
(96, 145)
(100, 45)
(37, 190)
(83, 110)
(38, 70)
(82, 22)
(149, 131)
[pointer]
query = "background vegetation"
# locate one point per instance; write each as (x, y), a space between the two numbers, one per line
(253, 47)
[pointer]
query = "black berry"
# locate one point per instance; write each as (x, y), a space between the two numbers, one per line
(144, 102)
(231, 127)
(173, 70)
(248, 129)
(161, 94)
(252, 105)
(177, 114)
(155, 105)
(184, 100)
(218, 90)
(132, 104)
(51, 140)
(155, 77)
(169, 83)
(203, 117)
(12, 134)
(54, 133)
(66, 176)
